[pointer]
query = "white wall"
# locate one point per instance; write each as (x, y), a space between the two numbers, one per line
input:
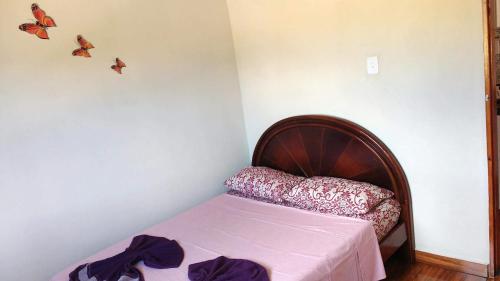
(427, 103)
(88, 157)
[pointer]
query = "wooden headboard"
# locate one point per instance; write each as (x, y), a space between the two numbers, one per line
(316, 145)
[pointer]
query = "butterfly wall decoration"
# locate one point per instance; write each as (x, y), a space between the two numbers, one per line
(40, 27)
(118, 66)
(43, 22)
(85, 45)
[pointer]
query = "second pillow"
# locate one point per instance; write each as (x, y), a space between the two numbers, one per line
(336, 196)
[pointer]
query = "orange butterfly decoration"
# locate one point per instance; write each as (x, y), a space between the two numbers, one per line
(84, 47)
(40, 27)
(119, 65)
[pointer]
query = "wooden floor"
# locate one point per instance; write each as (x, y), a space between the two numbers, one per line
(398, 269)
(423, 272)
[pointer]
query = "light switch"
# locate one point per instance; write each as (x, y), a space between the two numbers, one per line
(372, 65)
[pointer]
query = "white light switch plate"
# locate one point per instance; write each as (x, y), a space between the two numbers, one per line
(372, 65)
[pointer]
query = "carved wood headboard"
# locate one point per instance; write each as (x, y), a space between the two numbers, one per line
(316, 145)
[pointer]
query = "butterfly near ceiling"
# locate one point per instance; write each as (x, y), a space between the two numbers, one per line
(118, 66)
(40, 27)
(85, 45)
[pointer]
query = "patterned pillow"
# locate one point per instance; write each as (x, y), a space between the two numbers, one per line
(263, 182)
(336, 196)
(264, 200)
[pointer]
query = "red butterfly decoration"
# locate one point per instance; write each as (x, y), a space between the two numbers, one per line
(40, 27)
(119, 65)
(84, 47)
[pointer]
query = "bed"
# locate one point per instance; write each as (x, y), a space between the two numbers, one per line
(294, 244)
(317, 145)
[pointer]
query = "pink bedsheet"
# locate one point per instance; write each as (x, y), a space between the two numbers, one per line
(292, 244)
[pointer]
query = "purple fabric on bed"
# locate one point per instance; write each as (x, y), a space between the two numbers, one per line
(225, 269)
(155, 252)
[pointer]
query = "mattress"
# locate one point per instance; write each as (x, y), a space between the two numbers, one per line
(292, 244)
(384, 217)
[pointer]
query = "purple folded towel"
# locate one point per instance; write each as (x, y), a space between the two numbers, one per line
(225, 269)
(155, 252)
